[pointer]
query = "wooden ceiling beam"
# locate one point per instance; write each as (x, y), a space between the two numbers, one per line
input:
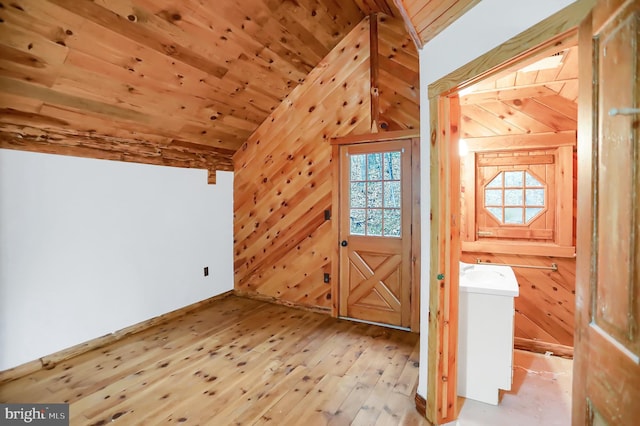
(516, 92)
(109, 148)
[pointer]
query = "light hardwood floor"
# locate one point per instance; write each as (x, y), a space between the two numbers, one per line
(238, 361)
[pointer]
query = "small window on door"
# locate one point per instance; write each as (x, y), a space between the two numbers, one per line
(514, 197)
(375, 194)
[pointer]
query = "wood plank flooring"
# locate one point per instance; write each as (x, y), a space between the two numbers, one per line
(238, 362)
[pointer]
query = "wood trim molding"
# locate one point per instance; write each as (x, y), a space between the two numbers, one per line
(276, 301)
(50, 361)
(537, 346)
(335, 230)
(550, 34)
(421, 405)
(522, 142)
(520, 247)
(376, 137)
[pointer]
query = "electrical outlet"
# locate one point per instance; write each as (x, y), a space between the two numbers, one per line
(206, 271)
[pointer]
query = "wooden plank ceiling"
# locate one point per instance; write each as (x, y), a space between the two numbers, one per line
(185, 82)
(164, 82)
(526, 101)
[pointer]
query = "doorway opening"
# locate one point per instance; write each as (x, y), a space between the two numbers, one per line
(517, 174)
(509, 199)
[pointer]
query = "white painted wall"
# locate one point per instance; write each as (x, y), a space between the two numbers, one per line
(88, 247)
(487, 25)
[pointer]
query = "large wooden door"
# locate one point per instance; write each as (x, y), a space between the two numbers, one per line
(607, 349)
(375, 232)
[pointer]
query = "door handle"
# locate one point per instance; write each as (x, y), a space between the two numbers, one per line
(344, 243)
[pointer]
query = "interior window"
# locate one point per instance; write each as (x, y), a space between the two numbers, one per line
(514, 197)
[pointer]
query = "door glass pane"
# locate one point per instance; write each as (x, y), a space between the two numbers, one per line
(513, 179)
(358, 167)
(513, 215)
(374, 166)
(513, 197)
(357, 221)
(392, 165)
(358, 194)
(392, 222)
(392, 194)
(374, 194)
(374, 222)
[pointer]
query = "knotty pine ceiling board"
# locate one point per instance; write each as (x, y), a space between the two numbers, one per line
(427, 18)
(524, 100)
(156, 78)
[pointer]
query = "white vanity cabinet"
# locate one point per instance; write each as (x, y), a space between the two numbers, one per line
(485, 331)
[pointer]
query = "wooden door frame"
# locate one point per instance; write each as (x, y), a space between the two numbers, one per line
(547, 36)
(414, 136)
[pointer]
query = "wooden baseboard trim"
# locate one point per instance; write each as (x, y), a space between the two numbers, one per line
(50, 361)
(270, 299)
(421, 405)
(543, 347)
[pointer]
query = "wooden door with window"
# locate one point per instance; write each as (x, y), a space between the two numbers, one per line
(607, 357)
(375, 232)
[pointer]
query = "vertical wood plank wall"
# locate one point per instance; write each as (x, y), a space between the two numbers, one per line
(283, 174)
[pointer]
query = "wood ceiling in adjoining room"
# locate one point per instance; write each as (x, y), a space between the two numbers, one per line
(538, 98)
(184, 83)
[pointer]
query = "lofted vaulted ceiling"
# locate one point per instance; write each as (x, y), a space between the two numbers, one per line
(539, 98)
(165, 82)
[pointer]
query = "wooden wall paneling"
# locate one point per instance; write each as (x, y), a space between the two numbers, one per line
(283, 183)
(399, 76)
(324, 105)
(545, 308)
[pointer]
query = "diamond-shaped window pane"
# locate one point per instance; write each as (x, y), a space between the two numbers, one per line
(496, 182)
(531, 181)
(531, 212)
(496, 212)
